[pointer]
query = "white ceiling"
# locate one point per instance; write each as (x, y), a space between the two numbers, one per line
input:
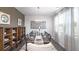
(35, 11)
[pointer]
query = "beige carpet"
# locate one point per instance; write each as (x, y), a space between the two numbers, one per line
(39, 47)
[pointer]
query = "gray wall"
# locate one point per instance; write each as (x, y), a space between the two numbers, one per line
(14, 15)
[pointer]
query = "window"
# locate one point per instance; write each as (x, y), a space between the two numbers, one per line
(63, 25)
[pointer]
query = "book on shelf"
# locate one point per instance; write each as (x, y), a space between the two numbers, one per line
(5, 33)
(13, 31)
(13, 37)
(6, 40)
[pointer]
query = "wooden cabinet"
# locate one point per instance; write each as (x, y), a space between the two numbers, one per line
(5, 38)
(10, 37)
(1, 38)
(14, 36)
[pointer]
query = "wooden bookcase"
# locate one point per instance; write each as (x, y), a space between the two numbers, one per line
(14, 36)
(21, 32)
(5, 38)
(23, 29)
(10, 37)
(1, 39)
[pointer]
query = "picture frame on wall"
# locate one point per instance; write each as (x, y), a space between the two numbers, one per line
(4, 18)
(19, 21)
(38, 24)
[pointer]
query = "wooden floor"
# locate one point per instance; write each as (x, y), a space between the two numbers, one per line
(57, 46)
